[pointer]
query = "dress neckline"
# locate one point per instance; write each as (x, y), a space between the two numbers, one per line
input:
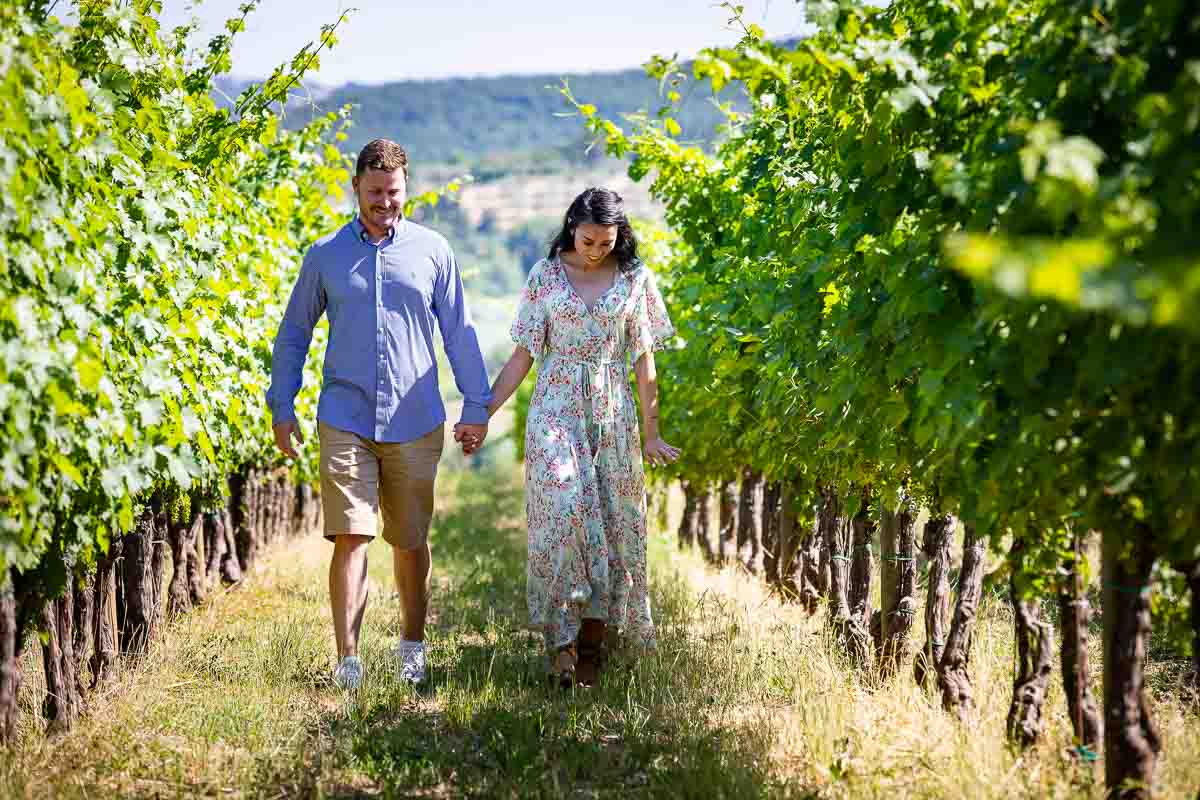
(562, 268)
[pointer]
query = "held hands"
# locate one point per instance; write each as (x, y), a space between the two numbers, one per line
(470, 437)
(659, 453)
(284, 432)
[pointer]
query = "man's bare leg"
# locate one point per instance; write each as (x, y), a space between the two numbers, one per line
(348, 590)
(412, 568)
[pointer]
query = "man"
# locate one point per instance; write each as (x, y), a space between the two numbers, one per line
(384, 281)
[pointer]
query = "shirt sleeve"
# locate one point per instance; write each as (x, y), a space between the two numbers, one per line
(648, 328)
(304, 309)
(461, 342)
(529, 326)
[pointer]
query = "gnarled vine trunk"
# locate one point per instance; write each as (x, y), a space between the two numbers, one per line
(704, 536)
(1034, 638)
(62, 702)
(791, 559)
(85, 598)
(936, 541)
(862, 564)
(1131, 740)
(214, 546)
(954, 675)
(309, 507)
(197, 587)
(851, 632)
(829, 525)
(158, 563)
(898, 585)
(815, 564)
(231, 568)
(10, 659)
(269, 509)
(278, 509)
(182, 533)
(241, 507)
(136, 595)
(690, 521)
(727, 526)
(770, 531)
(750, 534)
(1192, 679)
(106, 632)
(828, 508)
(1075, 613)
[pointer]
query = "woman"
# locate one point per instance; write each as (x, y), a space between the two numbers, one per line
(586, 306)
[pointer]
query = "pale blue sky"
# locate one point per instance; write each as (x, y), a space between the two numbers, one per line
(387, 41)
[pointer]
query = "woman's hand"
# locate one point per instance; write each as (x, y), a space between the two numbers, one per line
(658, 452)
(470, 437)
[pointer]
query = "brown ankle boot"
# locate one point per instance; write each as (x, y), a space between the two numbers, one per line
(563, 667)
(591, 652)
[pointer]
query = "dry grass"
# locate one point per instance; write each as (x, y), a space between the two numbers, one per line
(745, 697)
(229, 689)
(841, 734)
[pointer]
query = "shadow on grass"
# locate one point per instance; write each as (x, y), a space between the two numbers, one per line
(489, 726)
(544, 747)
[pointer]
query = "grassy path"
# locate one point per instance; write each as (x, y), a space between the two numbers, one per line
(742, 699)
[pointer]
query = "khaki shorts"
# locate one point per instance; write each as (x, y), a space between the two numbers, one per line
(359, 477)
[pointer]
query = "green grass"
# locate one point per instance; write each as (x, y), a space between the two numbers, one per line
(488, 725)
(745, 697)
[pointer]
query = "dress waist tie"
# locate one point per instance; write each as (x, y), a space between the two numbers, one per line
(589, 371)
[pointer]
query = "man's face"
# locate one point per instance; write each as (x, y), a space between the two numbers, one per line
(381, 195)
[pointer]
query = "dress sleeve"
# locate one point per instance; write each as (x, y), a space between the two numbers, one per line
(529, 327)
(649, 327)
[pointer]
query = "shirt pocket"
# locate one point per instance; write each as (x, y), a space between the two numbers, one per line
(351, 288)
(406, 287)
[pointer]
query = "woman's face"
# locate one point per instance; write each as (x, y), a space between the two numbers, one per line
(595, 242)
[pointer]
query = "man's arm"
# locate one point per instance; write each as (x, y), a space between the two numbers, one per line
(305, 307)
(462, 348)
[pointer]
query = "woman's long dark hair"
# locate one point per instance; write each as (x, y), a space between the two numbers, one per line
(598, 207)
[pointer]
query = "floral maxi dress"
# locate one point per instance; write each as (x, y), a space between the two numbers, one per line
(584, 487)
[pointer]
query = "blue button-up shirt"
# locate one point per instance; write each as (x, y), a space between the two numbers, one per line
(380, 372)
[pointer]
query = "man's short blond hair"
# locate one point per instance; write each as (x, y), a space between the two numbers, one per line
(382, 154)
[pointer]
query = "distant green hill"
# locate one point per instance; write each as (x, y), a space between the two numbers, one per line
(476, 120)
(527, 162)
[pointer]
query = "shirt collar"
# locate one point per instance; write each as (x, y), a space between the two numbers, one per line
(360, 230)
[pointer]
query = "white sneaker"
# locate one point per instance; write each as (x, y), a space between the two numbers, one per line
(412, 661)
(349, 673)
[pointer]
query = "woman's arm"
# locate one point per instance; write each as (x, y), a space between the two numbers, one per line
(657, 451)
(510, 378)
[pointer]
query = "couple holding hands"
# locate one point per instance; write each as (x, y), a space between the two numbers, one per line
(587, 308)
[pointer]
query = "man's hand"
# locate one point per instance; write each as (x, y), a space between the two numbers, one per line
(470, 437)
(284, 432)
